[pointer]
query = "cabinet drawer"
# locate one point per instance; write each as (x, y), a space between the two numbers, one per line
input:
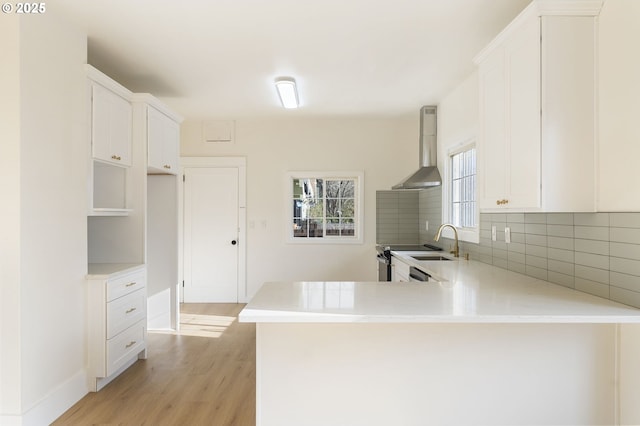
(118, 287)
(124, 346)
(125, 311)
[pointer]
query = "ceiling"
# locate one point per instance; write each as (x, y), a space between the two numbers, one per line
(219, 58)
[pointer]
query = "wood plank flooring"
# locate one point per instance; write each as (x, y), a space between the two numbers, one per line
(203, 376)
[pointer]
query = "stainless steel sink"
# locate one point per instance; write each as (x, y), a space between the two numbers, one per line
(430, 257)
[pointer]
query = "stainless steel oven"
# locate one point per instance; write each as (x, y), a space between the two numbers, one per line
(383, 255)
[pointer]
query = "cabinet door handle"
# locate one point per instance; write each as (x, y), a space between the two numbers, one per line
(502, 202)
(130, 284)
(166, 166)
(116, 157)
(128, 311)
(131, 343)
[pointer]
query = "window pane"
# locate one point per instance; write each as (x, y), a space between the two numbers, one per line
(340, 188)
(300, 227)
(463, 188)
(323, 207)
(347, 207)
(315, 228)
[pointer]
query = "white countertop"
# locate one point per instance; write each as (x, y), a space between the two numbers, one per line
(471, 292)
(106, 270)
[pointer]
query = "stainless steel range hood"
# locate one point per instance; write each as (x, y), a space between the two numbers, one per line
(428, 174)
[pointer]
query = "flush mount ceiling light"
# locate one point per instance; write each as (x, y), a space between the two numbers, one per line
(287, 91)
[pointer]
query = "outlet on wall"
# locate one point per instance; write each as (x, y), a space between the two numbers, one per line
(494, 233)
(507, 235)
(426, 225)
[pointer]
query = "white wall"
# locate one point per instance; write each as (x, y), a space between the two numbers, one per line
(457, 125)
(386, 149)
(619, 109)
(10, 388)
(44, 268)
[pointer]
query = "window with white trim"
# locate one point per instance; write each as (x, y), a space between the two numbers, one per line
(459, 202)
(325, 207)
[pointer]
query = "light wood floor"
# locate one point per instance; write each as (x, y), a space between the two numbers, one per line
(203, 376)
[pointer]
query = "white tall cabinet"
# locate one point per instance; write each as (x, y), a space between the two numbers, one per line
(537, 79)
(116, 273)
(157, 129)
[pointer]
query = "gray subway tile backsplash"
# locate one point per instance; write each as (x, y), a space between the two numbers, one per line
(597, 253)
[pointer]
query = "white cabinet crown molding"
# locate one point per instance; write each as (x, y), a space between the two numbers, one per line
(101, 78)
(149, 99)
(541, 8)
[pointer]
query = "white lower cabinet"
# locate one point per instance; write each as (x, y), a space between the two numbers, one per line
(399, 270)
(117, 320)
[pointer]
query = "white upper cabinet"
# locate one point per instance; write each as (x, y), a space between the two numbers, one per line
(111, 126)
(158, 129)
(536, 148)
(110, 133)
(163, 143)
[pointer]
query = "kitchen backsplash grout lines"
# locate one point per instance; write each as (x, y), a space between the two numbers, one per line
(597, 253)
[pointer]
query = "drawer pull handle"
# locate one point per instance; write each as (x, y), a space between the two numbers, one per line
(116, 157)
(502, 202)
(166, 166)
(130, 284)
(130, 310)
(131, 343)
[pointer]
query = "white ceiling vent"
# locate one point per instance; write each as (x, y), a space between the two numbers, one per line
(220, 131)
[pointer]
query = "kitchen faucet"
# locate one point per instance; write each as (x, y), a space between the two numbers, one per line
(455, 251)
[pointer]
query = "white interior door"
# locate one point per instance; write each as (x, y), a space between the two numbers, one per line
(211, 235)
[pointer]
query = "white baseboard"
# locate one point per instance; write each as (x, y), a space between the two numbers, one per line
(52, 406)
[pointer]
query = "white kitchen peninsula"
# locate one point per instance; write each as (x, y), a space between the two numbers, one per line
(484, 346)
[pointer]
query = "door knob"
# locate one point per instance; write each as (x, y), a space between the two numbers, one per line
(234, 242)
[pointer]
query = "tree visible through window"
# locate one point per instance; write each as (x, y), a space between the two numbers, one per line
(325, 207)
